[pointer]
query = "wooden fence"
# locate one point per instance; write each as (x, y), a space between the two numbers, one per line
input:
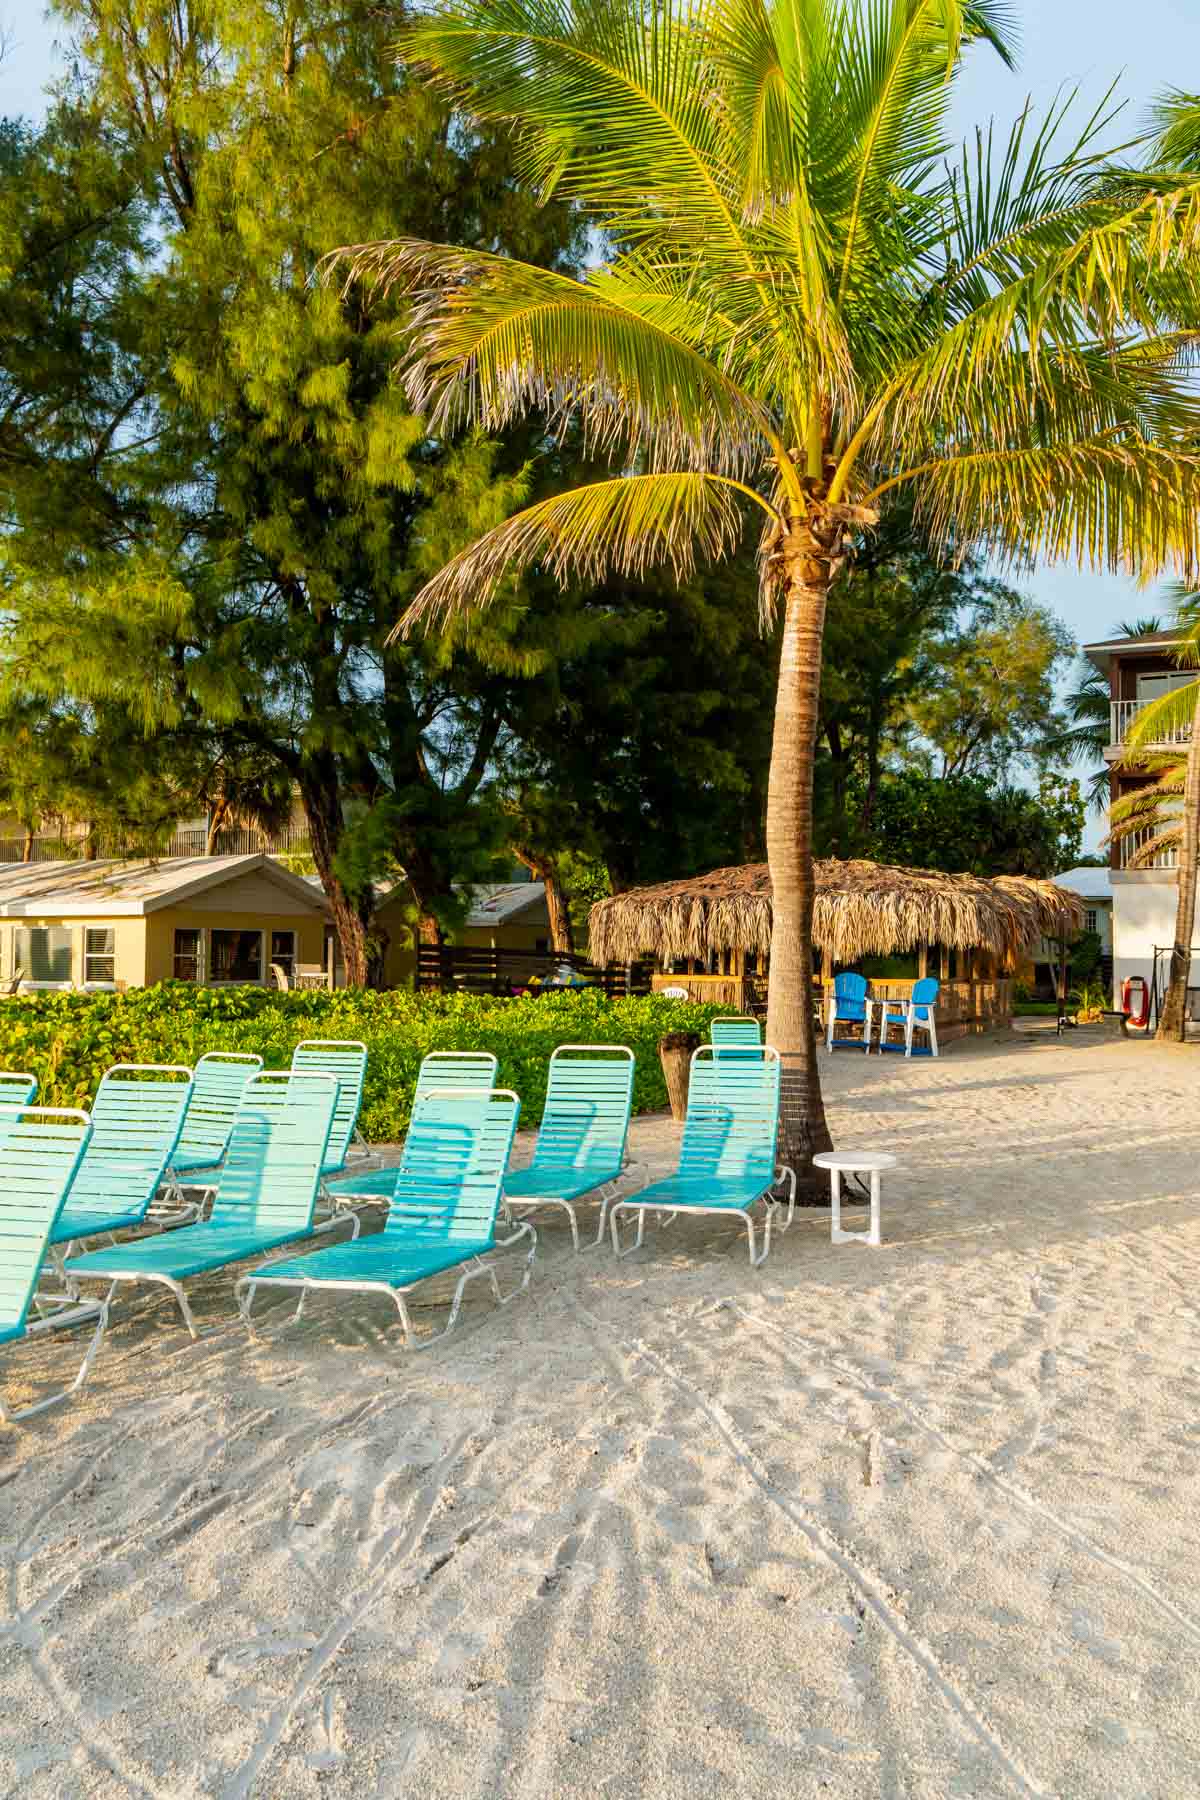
(477, 969)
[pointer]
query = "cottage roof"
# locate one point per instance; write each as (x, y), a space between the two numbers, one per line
(1092, 884)
(112, 889)
(862, 909)
(500, 903)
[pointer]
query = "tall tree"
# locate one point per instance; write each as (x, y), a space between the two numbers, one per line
(801, 311)
(274, 498)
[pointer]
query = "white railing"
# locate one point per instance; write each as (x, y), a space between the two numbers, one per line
(1124, 712)
(1163, 859)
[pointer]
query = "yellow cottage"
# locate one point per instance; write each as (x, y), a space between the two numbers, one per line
(220, 920)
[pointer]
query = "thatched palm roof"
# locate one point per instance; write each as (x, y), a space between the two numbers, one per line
(862, 909)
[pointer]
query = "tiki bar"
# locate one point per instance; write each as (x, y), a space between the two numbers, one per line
(711, 934)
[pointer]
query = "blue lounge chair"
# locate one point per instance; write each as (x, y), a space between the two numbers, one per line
(580, 1150)
(264, 1199)
(727, 1157)
(40, 1151)
(440, 1069)
(443, 1216)
(915, 1014)
(17, 1088)
(736, 1033)
(218, 1081)
(345, 1058)
(136, 1121)
(848, 1005)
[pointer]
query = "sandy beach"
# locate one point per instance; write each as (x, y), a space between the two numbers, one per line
(917, 1522)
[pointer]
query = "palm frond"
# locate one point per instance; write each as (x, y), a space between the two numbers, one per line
(490, 339)
(1106, 505)
(625, 526)
(1177, 120)
(1167, 719)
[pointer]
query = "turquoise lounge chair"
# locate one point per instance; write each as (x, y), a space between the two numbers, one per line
(848, 1005)
(345, 1058)
(264, 1199)
(917, 1014)
(580, 1150)
(41, 1148)
(17, 1088)
(443, 1215)
(440, 1069)
(218, 1081)
(727, 1157)
(735, 1032)
(136, 1121)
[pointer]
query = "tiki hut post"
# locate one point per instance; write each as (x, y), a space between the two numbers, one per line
(922, 961)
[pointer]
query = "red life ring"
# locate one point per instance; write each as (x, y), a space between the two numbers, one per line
(1141, 1018)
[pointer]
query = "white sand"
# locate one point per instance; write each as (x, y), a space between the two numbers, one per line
(918, 1522)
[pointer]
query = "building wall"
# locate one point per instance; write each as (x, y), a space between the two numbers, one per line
(129, 944)
(309, 928)
(1143, 916)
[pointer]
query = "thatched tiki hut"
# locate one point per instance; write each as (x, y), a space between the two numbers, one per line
(712, 933)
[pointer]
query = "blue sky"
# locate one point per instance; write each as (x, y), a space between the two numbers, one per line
(1064, 44)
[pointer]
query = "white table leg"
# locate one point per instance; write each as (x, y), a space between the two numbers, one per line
(872, 1236)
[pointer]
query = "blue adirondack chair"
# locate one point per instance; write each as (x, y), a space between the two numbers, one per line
(345, 1058)
(443, 1215)
(727, 1157)
(41, 1148)
(848, 1005)
(265, 1196)
(17, 1088)
(136, 1121)
(580, 1150)
(735, 1034)
(917, 1015)
(440, 1069)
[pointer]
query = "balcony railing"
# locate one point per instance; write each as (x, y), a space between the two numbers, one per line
(1124, 712)
(1163, 859)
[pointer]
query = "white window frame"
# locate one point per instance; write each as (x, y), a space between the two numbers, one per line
(201, 954)
(1163, 681)
(47, 987)
(109, 983)
(284, 931)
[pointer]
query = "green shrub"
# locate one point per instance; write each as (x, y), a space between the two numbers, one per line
(68, 1040)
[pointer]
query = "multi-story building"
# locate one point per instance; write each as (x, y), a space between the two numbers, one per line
(1139, 669)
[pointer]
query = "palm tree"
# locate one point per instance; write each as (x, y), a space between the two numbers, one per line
(801, 311)
(1168, 808)
(1089, 708)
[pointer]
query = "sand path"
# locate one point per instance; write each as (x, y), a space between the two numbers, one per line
(919, 1522)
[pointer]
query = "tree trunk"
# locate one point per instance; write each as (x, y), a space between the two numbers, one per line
(216, 824)
(802, 1127)
(428, 929)
(323, 810)
(27, 846)
(1173, 1023)
(562, 935)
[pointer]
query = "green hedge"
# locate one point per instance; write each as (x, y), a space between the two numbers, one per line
(68, 1040)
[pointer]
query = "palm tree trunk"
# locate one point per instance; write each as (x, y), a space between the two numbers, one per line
(802, 1127)
(1173, 1023)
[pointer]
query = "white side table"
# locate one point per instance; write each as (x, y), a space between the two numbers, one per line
(854, 1162)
